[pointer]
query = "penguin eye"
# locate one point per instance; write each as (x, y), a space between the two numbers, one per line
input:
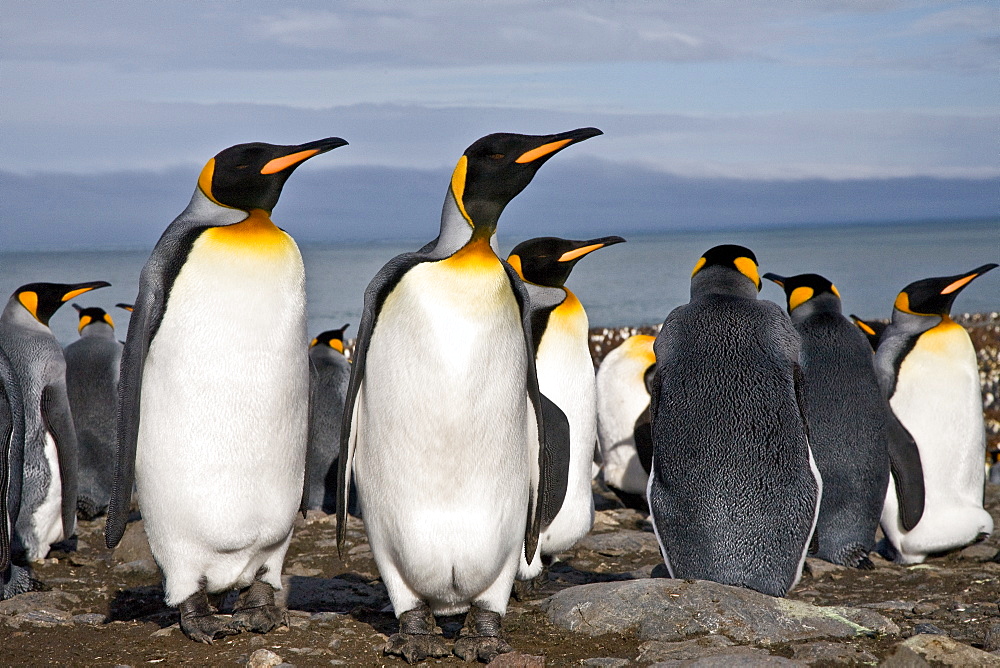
(497, 156)
(242, 166)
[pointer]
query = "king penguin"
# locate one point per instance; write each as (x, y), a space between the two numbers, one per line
(49, 485)
(734, 491)
(213, 398)
(14, 579)
(850, 425)
(623, 405)
(92, 363)
(872, 329)
(927, 369)
(443, 415)
(560, 332)
(329, 373)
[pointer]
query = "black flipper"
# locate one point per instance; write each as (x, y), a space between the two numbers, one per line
(6, 436)
(907, 472)
(56, 415)
(642, 433)
(556, 444)
(375, 295)
(11, 458)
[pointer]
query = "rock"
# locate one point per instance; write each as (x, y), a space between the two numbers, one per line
(37, 600)
(165, 631)
(925, 608)
(263, 658)
(927, 627)
(979, 552)
(818, 567)
(299, 569)
(619, 543)
(133, 546)
(329, 594)
(88, 619)
(657, 650)
(605, 662)
(905, 606)
(923, 650)
(991, 641)
(137, 567)
(731, 657)
(675, 609)
(832, 652)
(518, 660)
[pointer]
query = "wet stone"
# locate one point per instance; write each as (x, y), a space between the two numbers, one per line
(832, 652)
(937, 650)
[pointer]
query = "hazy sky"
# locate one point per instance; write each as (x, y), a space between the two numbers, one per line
(763, 90)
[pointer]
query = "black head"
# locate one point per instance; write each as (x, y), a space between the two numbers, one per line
(42, 300)
(934, 296)
(730, 256)
(548, 261)
(251, 176)
(334, 338)
(800, 289)
(91, 315)
(495, 168)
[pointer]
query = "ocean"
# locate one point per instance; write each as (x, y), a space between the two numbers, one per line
(635, 283)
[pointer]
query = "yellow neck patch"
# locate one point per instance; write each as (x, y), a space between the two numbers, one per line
(256, 232)
(29, 300)
(640, 346)
(477, 255)
(748, 268)
(799, 296)
(515, 262)
(205, 182)
(458, 186)
(543, 150)
(579, 252)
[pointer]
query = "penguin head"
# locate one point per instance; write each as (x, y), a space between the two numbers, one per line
(728, 269)
(934, 296)
(91, 315)
(872, 330)
(42, 300)
(812, 289)
(495, 168)
(250, 176)
(548, 261)
(332, 338)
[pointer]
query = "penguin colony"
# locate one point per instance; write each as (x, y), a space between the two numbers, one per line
(469, 420)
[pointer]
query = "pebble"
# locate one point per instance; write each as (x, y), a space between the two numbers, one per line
(518, 660)
(827, 653)
(935, 650)
(927, 627)
(263, 658)
(88, 619)
(605, 662)
(979, 552)
(925, 608)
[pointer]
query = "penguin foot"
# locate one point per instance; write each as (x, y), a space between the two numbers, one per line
(414, 648)
(199, 621)
(480, 639)
(255, 610)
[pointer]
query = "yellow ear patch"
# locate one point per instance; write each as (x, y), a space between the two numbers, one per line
(107, 319)
(958, 284)
(579, 252)
(286, 161)
(84, 321)
(337, 345)
(834, 290)
(515, 262)
(458, 186)
(205, 181)
(543, 150)
(902, 303)
(29, 300)
(748, 268)
(313, 342)
(75, 293)
(697, 266)
(799, 296)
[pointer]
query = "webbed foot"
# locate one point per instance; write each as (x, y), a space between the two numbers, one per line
(255, 610)
(480, 639)
(416, 639)
(199, 621)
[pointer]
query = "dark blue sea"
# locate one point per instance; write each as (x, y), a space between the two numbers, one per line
(634, 283)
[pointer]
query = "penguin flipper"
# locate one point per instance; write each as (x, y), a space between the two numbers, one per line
(556, 439)
(907, 472)
(375, 295)
(539, 480)
(55, 413)
(6, 436)
(642, 433)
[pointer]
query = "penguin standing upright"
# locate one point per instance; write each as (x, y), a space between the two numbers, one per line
(329, 373)
(734, 491)
(14, 580)
(927, 369)
(872, 329)
(560, 333)
(622, 402)
(443, 412)
(213, 398)
(92, 363)
(851, 434)
(49, 487)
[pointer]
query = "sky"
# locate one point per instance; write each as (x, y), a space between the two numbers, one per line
(715, 114)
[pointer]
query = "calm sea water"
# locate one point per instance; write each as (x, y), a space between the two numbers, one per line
(634, 283)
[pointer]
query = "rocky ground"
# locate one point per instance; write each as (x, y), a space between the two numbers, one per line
(600, 606)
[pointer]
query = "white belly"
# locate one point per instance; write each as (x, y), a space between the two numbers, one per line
(566, 376)
(442, 453)
(938, 400)
(46, 522)
(621, 399)
(222, 431)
